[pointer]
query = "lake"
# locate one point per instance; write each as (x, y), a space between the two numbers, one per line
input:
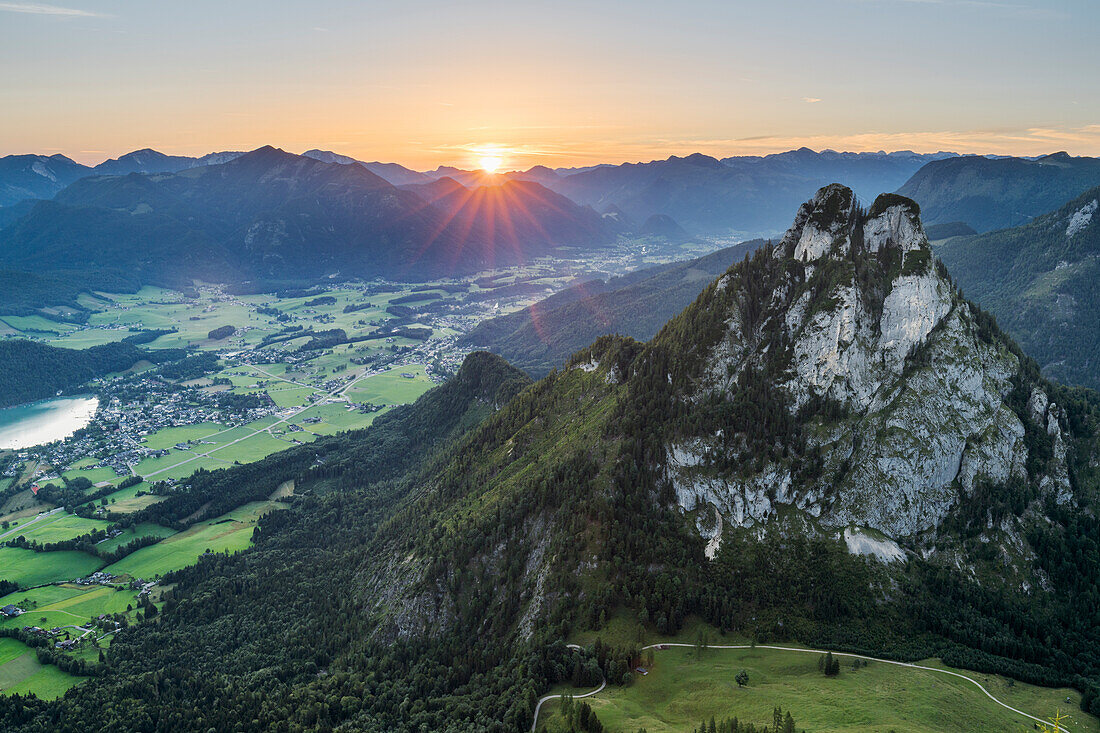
(36, 423)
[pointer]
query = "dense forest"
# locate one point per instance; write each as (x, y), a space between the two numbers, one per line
(33, 371)
(26, 293)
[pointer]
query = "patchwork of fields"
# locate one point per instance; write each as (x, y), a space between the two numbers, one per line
(49, 601)
(314, 393)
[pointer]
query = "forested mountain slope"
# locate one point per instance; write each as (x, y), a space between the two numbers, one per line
(728, 469)
(1040, 281)
(995, 193)
(32, 371)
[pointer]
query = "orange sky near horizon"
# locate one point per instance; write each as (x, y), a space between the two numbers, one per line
(519, 151)
(566, 83)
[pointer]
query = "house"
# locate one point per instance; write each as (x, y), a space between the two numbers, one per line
(11, 611)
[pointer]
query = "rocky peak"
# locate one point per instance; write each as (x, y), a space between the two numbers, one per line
(833, 223)
(884, 395)
(823, 225)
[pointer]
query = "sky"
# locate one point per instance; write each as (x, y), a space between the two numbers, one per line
(560, 83)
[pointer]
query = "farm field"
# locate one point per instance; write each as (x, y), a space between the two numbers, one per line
(28, 568)
(686, 686)
(95, 475)
(170, 436)
(390, 388)
(58, 527)
(145, 529)
(64, 605)
(21, 672)
(337, 417)
(230, 532)
(125, 501)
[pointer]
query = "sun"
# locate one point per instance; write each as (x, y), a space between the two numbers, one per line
(490, 162)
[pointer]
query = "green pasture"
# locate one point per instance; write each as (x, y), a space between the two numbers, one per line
(390, 388)
(144, 529)
(58, 527)
(230, 532)
(686, 686)
(21, 672)
(28, 568)
(66, 605)
(170, 436)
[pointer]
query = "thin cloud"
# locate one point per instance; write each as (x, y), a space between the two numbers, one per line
(811, 100)
(54, 10)
(1011, 8)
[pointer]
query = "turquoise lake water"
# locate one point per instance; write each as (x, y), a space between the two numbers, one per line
(44, 422)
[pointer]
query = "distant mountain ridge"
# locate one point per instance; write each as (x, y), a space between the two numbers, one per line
(744, 194)
(152, 161)
(25, 177)
(273, 214)
(997, 193)
(700, 193)
(36, 176)
(396, 174)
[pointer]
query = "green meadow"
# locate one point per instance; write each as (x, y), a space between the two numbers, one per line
(170, 436)
(28, 568)
(127, 500)
(21, 672)
(686, 686)
(58, 527)
(145, 529)
(228, 533)
(390, 388)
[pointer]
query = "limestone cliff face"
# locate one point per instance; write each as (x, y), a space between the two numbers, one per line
(904, 401)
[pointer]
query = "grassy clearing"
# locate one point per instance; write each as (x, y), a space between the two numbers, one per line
(336, 417)
(390, 388)
(228, 533)
(290, 395)
(170, 436)
(686, 686)
(125, 501)
(283, 491)
(81, 469)
(60, 526)
(20, 507)
(21, 672)
(251, 449)
(178, 465)
(145, 529)
(28, 568)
